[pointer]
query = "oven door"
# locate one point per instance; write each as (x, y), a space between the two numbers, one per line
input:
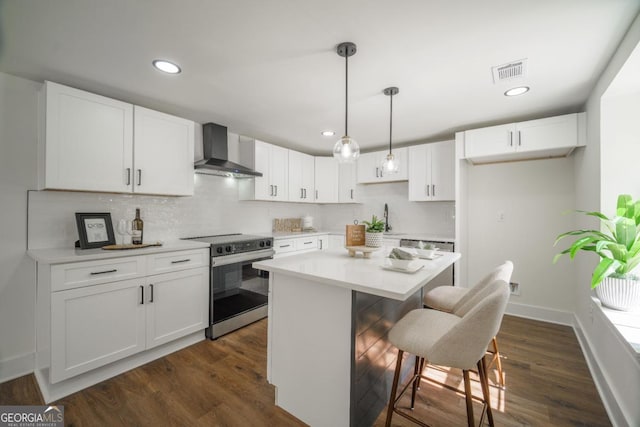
(238, 292)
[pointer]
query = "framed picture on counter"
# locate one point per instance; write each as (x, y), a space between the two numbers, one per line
(95, 230)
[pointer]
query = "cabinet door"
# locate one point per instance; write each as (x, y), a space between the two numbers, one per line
(347, 183)
(368, 167)
(176, 305)
(419, 173)
(549, 133)
(326, 171)
(94, 326)
(442, 170)
(88, 141)
(279, 172)
(490, 141)
(163, 153)
(262, 153)
(301, 177)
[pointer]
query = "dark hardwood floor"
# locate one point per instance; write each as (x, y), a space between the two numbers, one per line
(223, 383)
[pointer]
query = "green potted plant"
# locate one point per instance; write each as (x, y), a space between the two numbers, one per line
(619, 249)
(373, 232)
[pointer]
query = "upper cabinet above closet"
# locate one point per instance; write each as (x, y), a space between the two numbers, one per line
(533, 139)
(90, 144)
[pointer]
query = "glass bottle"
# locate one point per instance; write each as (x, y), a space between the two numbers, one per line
(137, 226)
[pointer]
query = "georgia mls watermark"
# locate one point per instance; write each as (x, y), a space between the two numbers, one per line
(32, 416)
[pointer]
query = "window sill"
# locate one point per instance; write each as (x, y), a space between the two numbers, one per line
(627, 323)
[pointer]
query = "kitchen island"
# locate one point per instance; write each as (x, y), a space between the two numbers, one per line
(329, 314)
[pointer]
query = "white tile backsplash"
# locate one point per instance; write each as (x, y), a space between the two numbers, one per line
(215, 209)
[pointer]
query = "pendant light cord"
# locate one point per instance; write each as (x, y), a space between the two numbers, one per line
(390, 122)
(346, 94)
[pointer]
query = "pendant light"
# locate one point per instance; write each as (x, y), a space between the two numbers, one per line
(390, 163)
(346, 150)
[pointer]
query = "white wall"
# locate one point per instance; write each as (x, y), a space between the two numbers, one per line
(615, 370)
(18, 137)
(532, 197)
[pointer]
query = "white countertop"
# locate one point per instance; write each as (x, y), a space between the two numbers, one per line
(335, 267)
(410, 235)
(64, 255)
(293, 234)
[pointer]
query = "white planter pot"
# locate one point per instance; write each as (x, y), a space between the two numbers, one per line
(373, 240)
(619, 294)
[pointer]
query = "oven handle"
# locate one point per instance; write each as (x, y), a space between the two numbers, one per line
(242, 257)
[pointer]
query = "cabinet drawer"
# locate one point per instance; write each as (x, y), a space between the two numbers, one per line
(176, 261)
(78, 274)
(284, 245)
(307, 243)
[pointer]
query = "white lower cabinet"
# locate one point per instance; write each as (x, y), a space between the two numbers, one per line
(97, 324)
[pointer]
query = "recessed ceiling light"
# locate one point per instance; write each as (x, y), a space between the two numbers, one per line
(517, 91)
(328, 133)
(166, 66)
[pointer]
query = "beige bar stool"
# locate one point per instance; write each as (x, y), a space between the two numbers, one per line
(457, 340)
(450, 298)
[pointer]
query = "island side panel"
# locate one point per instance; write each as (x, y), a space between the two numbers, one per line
(310, 353)
(374, 356)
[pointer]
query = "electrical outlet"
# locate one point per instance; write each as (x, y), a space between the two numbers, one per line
(515, 288)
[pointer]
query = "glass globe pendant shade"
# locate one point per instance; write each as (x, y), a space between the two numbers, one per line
(390, 164)
(346, 150)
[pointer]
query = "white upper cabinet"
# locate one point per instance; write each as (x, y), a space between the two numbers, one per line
(88, 141)
(326, 171)
(431, 172)
(542, 138)
(370, 167)
(301, 177)
(90, 145)
(270, 160)
(163, 153)
(347, 180)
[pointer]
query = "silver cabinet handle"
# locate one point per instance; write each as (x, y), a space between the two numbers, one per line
(428, 190)
(519, 139)
(284, 246)
(433, 190)
(320, 241)
(128, 176)
(139, 177)
(142, 295)
(377, 176)
(151, 288)
(180, 261)
(316, 194)
(93, 273)
(510, 139)
(352, 194)
(271, 192)
(307, 243)
(305, 193)
(276, 193)
(302, 193)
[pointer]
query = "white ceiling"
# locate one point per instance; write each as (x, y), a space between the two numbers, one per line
(268, 69)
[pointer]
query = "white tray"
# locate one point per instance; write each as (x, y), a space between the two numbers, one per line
(436, 255)
(412, 269)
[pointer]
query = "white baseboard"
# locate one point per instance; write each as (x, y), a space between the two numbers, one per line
(540, 313)
(16, 367)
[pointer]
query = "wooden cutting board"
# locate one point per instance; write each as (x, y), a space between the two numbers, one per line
(129, 246)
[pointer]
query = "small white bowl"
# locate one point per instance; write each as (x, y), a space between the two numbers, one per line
(426, 253)
(400, 263)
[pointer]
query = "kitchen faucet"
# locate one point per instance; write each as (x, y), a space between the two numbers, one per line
(387, 227)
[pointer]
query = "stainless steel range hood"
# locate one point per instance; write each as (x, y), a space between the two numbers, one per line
(215, 150)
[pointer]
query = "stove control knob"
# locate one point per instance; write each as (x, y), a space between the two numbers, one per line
(219, 249)
(268, 243)
(262, 244)
(228, 249)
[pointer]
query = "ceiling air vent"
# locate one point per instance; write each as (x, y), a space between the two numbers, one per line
(510, 71)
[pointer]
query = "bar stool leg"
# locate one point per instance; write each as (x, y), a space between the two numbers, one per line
(468, 398)
(484, 383)
(416, 379)
(394, 389)
(496, 358)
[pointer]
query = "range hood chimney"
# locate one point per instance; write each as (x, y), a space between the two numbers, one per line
(215, 150)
